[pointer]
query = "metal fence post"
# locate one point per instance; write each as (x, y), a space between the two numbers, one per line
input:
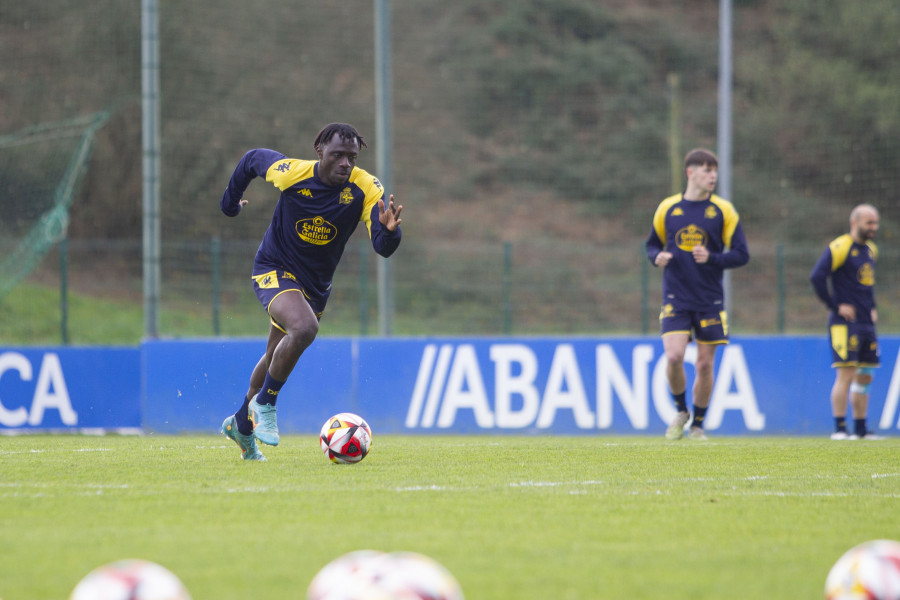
(363, 288)
(645, 292)
(64, 290)
(216, 255)
(507, 288)
(779, 268)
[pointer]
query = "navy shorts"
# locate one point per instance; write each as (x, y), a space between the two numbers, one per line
(853, 344)
(272, 284)
(707, 327)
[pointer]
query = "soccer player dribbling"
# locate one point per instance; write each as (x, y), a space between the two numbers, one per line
(321, 204)
(849, 262)
(694, 237)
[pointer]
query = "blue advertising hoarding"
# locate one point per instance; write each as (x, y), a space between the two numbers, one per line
(66, 388)
(766, 385)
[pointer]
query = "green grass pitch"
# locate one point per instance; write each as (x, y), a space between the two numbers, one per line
(515, 517)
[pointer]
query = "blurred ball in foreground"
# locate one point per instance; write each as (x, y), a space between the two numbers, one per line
(130, 579)
(373, 575)
(869, 571)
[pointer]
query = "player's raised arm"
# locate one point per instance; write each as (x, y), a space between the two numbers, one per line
(253, 164)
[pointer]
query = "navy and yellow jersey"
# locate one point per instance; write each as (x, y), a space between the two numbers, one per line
(678, 226)
(312, 221)
(851, 268)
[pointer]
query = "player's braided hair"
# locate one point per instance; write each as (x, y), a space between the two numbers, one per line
(347, 133)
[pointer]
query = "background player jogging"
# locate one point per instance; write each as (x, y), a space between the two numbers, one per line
(694, 236)
(320, 206)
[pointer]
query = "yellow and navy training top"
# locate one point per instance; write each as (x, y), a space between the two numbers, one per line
(678, 226)
(851, 268)
(312, 221)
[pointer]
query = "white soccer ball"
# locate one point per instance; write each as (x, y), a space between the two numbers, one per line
(344, 578)
(414, 576)
(372, 575)
(345, 438)
(869, 571)
(130, 579)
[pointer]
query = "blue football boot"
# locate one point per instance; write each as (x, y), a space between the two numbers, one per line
(265, 425)
(247, 443)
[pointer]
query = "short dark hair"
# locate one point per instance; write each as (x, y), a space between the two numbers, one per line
(345, 131)
(699, 157)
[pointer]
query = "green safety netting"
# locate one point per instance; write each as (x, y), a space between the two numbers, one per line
(40, 169)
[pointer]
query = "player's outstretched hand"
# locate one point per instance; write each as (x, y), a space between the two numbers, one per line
(390, 216)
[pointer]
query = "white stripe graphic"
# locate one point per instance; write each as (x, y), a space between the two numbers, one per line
(418, 397)
(437, 385)
(890, 403)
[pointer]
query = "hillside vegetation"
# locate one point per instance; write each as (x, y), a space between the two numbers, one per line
(513, 120)
(569, 96)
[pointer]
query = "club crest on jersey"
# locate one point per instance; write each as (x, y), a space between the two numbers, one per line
(316, 230)
(346, 196)
(710, 212)
(687, 238)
